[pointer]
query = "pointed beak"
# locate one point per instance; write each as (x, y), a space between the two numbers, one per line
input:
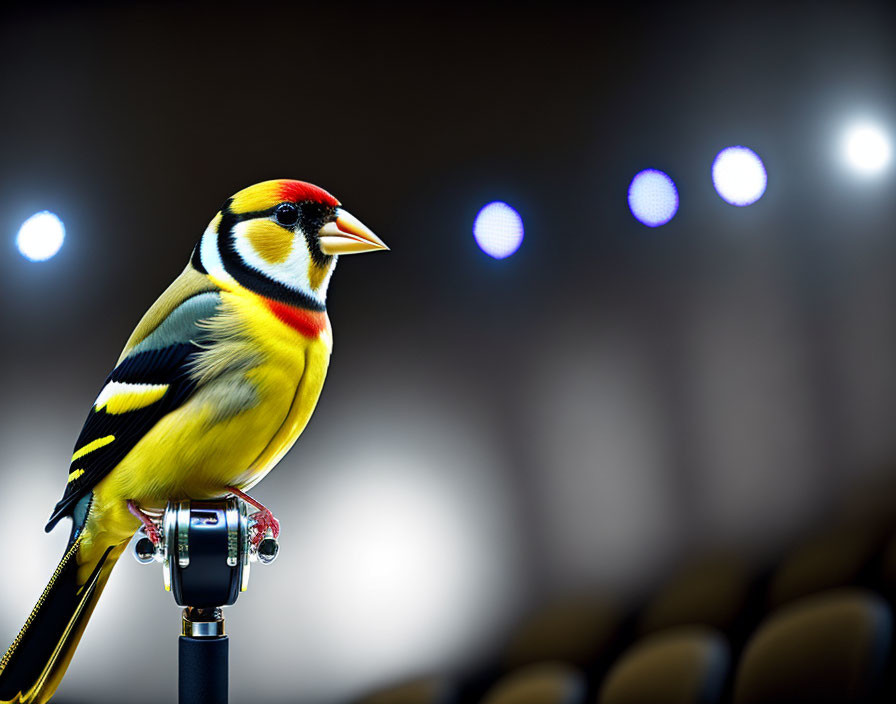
(348, 235)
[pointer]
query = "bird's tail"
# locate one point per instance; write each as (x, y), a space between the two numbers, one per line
(38, 657)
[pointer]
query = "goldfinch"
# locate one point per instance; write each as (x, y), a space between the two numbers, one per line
(211, 390)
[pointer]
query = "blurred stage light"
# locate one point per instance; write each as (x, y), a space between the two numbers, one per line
(652, 198)
(498, 230)
(867, 148)
(412, 543)
(40, 236)
(739, 176)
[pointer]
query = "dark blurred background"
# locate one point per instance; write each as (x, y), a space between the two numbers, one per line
(582, 415)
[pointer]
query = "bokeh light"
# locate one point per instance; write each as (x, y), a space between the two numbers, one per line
(498, 230)
(653, 198)
(867, 148)
(40, 236)
(739, 176)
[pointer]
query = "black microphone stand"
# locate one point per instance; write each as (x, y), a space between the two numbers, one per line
(205, 551)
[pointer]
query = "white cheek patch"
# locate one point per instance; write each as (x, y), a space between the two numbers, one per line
(291, 272)
(211, 257)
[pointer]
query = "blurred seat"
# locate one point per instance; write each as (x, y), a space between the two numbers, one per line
(576, 630)
(679, 666)
(713, 592)
(827, 648)
(426, 690)
(844, 556)
(887, 569)
(543, 683)
(873, 498)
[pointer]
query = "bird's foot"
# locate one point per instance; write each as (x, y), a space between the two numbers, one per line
(149, 526)
(262, 520)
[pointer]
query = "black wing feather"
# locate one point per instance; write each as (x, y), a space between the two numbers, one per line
(169, 365)
(164, 356)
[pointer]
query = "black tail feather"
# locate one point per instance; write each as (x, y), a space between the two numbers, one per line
(35, 662)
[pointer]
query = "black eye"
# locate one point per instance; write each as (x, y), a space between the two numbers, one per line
(287, 214)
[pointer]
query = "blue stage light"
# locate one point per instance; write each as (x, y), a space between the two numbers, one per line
(739, 176)
(40, 236)
(652, 198)
(498, 230)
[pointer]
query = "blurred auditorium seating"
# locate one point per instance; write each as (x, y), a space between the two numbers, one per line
(827, 648)
(842, 556)
(432, 690)
(814, 624)
(576, 630)
(680, 666)
(542, 683)
(715, 591)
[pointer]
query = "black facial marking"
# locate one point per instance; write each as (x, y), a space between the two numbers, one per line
(196, 259)
(254, 279)
(315, 216)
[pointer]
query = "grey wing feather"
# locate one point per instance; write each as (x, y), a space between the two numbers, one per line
(181, 325)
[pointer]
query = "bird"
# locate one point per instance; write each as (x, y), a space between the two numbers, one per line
(213, 387)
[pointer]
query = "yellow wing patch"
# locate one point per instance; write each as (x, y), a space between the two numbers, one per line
(90, 447)
(118, 397)
(74, 475)
(272, 242)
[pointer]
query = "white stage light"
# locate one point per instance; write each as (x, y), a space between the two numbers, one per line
(652, 198)
(867, 148)
(739, 176)
(498, 230)
(40, 236)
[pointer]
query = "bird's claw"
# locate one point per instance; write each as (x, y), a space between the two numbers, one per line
(149, 526)
(262, 522)
(152, 532)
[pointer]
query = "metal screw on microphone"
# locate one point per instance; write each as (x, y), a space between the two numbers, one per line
(144, 551)
(268, 548)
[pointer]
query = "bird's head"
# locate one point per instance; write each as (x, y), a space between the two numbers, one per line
(281, 239)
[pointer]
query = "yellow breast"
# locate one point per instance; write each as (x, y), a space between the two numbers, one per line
(294, 372)
(240, 421)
